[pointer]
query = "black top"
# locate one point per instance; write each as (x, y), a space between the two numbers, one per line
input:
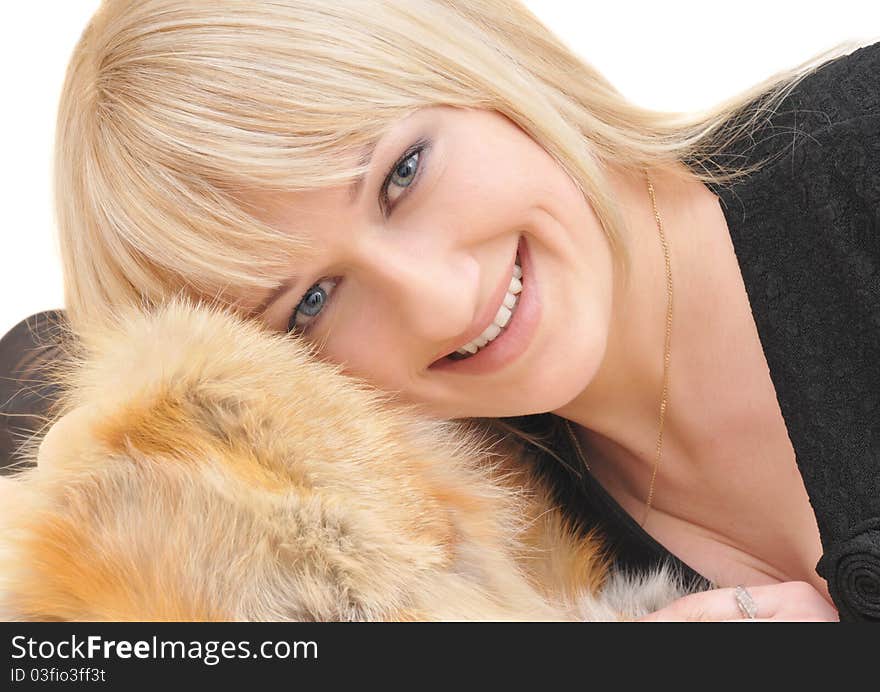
(806, 231)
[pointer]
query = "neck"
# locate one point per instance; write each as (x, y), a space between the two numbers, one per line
(620, 409)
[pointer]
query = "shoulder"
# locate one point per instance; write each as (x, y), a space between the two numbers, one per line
(833, 117)
(839, 90)
(821, 145)
(828, 113)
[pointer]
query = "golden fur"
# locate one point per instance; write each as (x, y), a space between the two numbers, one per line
(207, 469)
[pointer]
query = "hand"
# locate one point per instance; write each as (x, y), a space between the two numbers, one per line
(790, 601)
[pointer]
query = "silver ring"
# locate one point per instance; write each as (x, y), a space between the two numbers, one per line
(745, 603)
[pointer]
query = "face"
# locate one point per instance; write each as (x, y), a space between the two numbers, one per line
(417, 263)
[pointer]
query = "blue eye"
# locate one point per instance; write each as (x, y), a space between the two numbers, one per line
(407, 168)
(311, 305)
(404, 173)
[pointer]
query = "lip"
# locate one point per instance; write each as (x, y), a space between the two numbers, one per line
(516, 336)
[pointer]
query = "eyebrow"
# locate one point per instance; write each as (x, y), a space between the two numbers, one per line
(366, 157)
(276, 293)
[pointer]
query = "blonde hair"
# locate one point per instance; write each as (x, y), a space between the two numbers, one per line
(171, 109)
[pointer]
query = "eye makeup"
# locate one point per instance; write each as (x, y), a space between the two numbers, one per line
(416, 154)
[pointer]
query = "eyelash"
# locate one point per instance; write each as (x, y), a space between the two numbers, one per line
(416, 150)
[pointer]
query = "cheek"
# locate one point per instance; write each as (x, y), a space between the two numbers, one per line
(364, 346)
(489, 183)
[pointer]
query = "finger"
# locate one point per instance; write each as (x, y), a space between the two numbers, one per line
(794, 601)
(715, 605)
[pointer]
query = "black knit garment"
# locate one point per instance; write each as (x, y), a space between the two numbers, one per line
(806, 231)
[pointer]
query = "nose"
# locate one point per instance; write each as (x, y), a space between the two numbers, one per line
(431, 292)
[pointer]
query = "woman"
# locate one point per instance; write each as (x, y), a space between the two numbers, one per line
(370, 175)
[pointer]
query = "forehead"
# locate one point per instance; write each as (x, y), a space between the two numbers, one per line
(298, 211)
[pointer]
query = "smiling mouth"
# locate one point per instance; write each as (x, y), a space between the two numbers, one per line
(502, 321)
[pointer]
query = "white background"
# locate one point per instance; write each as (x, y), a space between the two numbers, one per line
(673, 55)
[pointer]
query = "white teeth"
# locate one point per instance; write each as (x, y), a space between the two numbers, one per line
(502, 317)
(491, 332)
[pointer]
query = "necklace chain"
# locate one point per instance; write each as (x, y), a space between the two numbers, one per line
(666, 351)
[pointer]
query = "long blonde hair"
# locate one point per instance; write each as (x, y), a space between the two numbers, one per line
(172, 108)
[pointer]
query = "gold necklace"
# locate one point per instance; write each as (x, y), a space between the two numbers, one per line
(650, 498)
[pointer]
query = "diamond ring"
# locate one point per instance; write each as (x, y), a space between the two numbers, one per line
(745, 603)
